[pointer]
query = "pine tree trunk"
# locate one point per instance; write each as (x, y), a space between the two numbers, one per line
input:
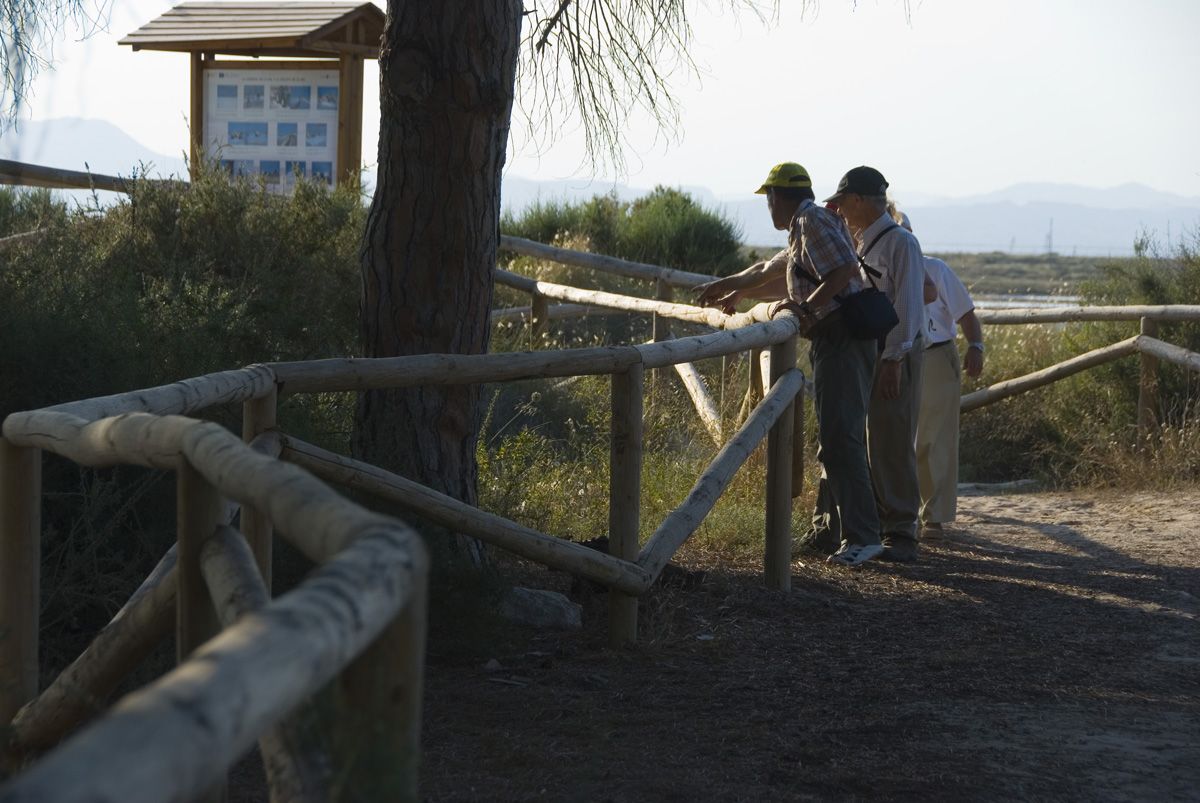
(447, 73)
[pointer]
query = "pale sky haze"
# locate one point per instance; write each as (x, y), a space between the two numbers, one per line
(962, 97)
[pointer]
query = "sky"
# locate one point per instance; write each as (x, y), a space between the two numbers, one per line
(946, 97)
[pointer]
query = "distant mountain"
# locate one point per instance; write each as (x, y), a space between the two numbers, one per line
(1025, 218)
(88, 145)
(1125, 196)
(1041, 227)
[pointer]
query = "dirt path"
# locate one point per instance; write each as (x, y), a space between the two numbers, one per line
(1048, 649)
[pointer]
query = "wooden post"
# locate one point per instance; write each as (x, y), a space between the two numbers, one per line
(539, 316)
(196, 123)
(660, 330)
(350, 104)
(624, 496)
(798, 443)
(197, 516)
(377, 735)
(258, 416)
(754, 391)
(20, 575)
(777, 554)
(1147, 406)
(661, 327)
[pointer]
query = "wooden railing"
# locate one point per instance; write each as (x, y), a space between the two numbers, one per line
(1146, 344)
(246, 660)
(31, 175)
(176, 738)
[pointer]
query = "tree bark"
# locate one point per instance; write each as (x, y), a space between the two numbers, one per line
(447, 74)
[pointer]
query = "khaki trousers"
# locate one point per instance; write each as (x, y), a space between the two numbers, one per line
(891, 450)
(937, 435)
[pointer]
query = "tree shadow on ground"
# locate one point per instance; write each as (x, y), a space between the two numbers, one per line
(1015, 660)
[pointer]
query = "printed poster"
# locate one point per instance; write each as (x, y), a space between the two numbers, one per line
(277, 124)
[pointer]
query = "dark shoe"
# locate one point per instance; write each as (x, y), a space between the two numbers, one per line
(933, 530)
(899, 549)
(817, 542)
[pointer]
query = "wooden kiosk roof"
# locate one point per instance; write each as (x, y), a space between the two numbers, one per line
(316, 29)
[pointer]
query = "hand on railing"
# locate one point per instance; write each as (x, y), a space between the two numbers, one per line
(717, 294)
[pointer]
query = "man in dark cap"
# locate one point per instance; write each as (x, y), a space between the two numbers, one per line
(861, 199)
(818, 268)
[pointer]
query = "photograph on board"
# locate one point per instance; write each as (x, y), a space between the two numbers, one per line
(327, 98)
(241, 133)
(287, 135)
(292, 98)
(227, 97)
(322, 171)
(238, 168)
(252, 96)
(294, 170)
(315, 136)
(270, 170)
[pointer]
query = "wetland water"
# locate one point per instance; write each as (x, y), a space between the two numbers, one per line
(1015, 301)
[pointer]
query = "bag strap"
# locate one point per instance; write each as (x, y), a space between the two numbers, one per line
(873, 274)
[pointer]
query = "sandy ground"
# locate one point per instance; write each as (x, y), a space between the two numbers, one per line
(1048, 648)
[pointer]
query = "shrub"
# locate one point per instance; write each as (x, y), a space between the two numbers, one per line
(666, 227)
(167, 283)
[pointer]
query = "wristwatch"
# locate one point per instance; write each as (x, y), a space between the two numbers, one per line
(976, 344)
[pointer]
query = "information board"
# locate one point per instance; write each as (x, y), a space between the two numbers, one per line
(280, 124)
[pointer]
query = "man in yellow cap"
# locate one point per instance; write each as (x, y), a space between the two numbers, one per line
(818, 267)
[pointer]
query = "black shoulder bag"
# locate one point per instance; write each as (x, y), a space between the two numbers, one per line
(868, 314)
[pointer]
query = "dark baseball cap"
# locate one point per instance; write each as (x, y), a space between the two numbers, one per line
(861, 180)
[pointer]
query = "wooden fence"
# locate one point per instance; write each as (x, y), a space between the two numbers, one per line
(177, 737)
(246, 661)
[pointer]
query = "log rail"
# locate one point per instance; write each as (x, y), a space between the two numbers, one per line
(247, 661)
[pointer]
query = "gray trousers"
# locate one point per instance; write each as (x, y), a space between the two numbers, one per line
(891, 446)
(843, 368)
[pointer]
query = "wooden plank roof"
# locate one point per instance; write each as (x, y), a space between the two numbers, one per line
(276, 28)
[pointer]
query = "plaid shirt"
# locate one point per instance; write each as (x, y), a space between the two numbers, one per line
(818, 244)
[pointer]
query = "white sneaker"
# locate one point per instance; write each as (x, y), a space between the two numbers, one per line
(856, 554)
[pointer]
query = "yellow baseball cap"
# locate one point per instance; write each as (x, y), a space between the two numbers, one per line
(785, 174)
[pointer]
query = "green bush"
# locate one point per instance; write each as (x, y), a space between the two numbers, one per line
(167, 283)
(667, 227)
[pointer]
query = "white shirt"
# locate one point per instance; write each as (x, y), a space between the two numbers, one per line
(897, 255)
(952, 303)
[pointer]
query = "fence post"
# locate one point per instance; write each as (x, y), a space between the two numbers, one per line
(777, 554)
(754, 392)
(661, 327)
(20, 575)
(197, 515)
(798, 443)
(1147, 387)
(660, 330)
(539, 317)
(624, 495)
(377, 734)
(259, 416)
